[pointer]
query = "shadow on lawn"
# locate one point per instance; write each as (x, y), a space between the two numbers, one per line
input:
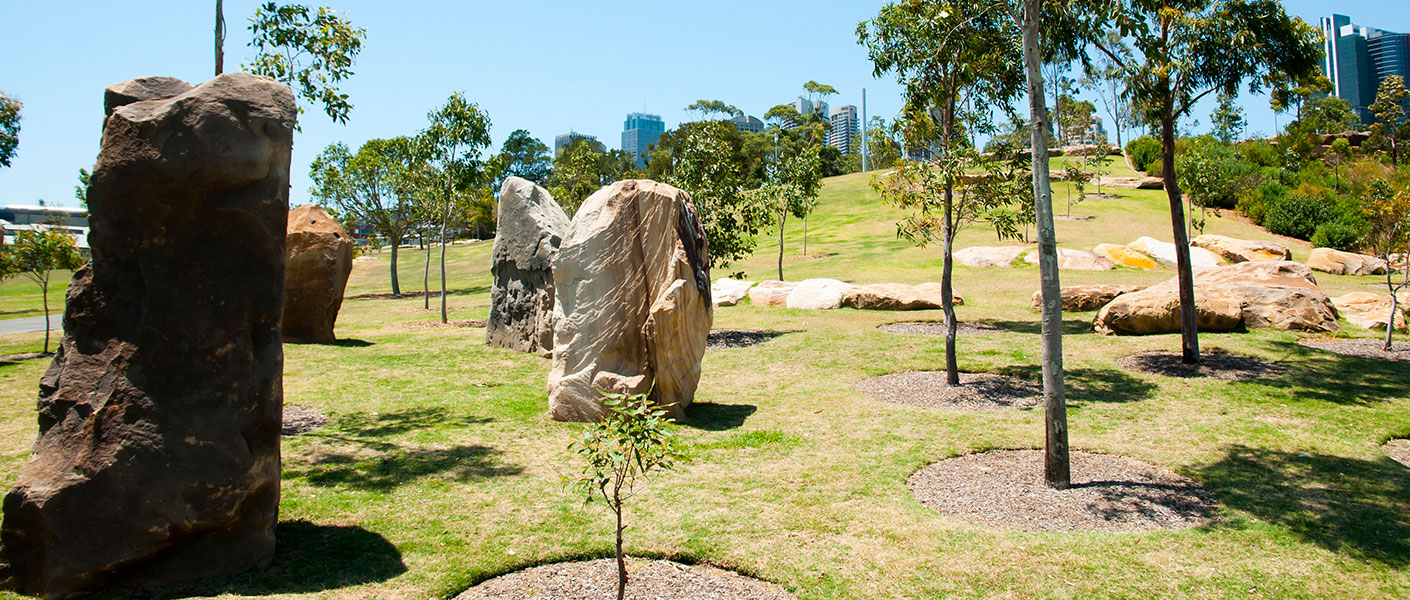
(1336, 378)
(1091, 385)
(1069, 326)
(717, 417)
(470, 291)
(1350, 506)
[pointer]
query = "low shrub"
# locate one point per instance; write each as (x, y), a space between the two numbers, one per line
(1144, 152)
(1298, 215)
(1342, 234)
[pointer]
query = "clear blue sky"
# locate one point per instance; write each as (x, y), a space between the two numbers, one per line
(547, 67)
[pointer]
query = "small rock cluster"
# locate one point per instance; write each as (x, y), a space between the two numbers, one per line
(828, 294)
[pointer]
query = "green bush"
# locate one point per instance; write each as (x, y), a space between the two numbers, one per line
(1211, 172)
(1342, 234)
(1298, 215)
(1144, 152)
(1254, 203)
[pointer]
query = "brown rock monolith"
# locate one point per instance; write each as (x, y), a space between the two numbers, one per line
(320, 256)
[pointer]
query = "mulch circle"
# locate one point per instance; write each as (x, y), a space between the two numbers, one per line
(436, 324)
(299, 419)
(1398, 450)
(721, 339)
(977, 391)
(1005, 489)
(646, 579)
(25, 356)
(1363, 348)
(1214, 364)
(938, 328)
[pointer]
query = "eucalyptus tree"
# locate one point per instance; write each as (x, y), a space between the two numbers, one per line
(459, 130)
(9, 128)
(377, 185)
(708, 161)
(524, 156)
(1389, 109)
(1103, 77)
(792, 189)
(707, 108)
(1228, 119)
(1187, 50)
(311, 51)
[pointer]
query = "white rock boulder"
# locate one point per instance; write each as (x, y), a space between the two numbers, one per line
(728, 292)
(989, 256)
(1164, 253)
(817, 294)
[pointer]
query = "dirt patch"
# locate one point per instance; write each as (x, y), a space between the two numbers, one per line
(810, 256)
(722, 339)
(25, 356)
(299, 419)
(977, 391)
(1363, 348)
(1005, 489)
(646, 579)
(437, 324)
(1398, 450)
(409, 310)
(1214, 364)
(938, 328)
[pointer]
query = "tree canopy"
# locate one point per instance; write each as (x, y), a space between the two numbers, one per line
(310, 51)
(9, 128)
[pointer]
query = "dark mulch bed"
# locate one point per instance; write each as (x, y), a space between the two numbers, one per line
(1005, 489)
(299, 419)
(646, 580)
(977, 391)
(721, 339)
(1398, 450)
(938, 328)
(25, 356)
(1213, 364)
(436, 324)
(1363, 348)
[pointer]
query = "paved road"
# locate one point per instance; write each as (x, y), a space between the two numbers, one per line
(56, 322)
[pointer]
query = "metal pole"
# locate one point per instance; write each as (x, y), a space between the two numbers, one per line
(864, 130)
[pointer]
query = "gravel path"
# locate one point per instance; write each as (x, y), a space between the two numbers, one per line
(646, 580)
(299, 419)
(1005, 489)
(938, 328)
(1372, 349)
(1214, 364)
(977, 391)
(1398, 450)
(721, 339)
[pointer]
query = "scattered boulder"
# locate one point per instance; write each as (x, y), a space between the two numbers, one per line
(1082, 298)
(1164, 253)
(817, 294)
(531, 227)
(989, 256)
(896, 296)
(1264, 294)
(1126, 257)
(771, 292)
(1369, 311)
(1337, 262)
(320, 256)
(633, 307)
(728, 292)
(1076, 260)
(1237, 251)
(157, 459)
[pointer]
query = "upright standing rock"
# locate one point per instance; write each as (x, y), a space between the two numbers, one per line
(320, 258)
(530, 228)
(158, 451)
(633, 301)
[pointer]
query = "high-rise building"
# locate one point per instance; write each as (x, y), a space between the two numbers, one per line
(1358, 58)
(844, 127)
(1095, 132)
(747, 123)
(640, 132)
(563, 141)
(805, 107)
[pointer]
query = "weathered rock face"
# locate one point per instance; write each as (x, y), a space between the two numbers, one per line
(320, 256)
(896, 296)
(1265, 294)
(728, 292)
(1337, 262)
(632, 291)
(1369, 311)
(771, 292)
(1125, 257)
(1164, 253)
(1082, 298)
(530, 228)
(989, 256)
(1237, 251)
(817, 294)
(1076, 260)
(158, 451)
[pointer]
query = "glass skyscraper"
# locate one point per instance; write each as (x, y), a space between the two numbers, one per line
(640, 132)
(1358, 58)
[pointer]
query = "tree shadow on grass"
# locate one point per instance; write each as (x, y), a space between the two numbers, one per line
(365, 425)
(1069, 326)
(351, 343)
(709, 416)
(1336, 378)
(479, 289)
(1091, 385)
(1350, 506)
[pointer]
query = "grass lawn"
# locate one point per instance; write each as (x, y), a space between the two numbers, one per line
(439, 469)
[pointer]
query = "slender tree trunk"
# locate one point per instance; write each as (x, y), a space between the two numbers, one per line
(396, 286)
(219, 37)
(1189, 332)
(1390, 323)
(947, 296)
(45, 286)
(805, 234)
(781, 219)
(445, 220)
(1057, 467)
(426, 275)
(621, 557)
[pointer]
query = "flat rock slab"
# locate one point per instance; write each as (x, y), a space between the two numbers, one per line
(723, 339)
(1083, 298)
(1005, 489)
(646, 580)
(977, 391)
(817, 294)
(1164, 253)
(1363, 348)
(1336, 262)
(1369, 311)
(1122, 256)
(771, 292)
(897, 296)
(1236, 250)
(989, 256)
(728, 292)
(1398, 450)
(1076, 260)
(1212, 365)
(938, 328)
(299, 419)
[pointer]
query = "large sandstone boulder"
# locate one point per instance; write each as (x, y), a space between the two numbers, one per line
(632, 289)
(158, 451)
(1265, 294)
(1337, 262)
(1126, 257)
(989, 256)
(1082, 298)
(1135, 183)
(320, 256)
(896, 296)
(817, 294)
(530, 228)
(771, 292)
(1237, 251)
(1164, 253)
(728, 292)
(1076, 260)
(1369, 311)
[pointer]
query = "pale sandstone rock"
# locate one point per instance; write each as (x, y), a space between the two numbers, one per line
(320, 256)
(1236, 250)
(1164, 253)
(989, 256)
(1337, 262)
(1082, 298)
(728, 292)
(1135, 183)
(817, 294)
(531, 227)
(1076, 260)
(1369, 311)
(771, 292)
(1265, 294)
(1126, 257)
(896, 296)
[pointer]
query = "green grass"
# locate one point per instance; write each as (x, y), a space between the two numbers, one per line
(439, 468)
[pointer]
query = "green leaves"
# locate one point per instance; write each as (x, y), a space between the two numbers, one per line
(632, 440)
(37, 252)
(9, 128)
(310, 52)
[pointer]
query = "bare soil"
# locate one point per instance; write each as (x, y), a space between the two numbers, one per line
(1213, 364)
(723, 339)
(299, 419)
(977, 391)
(1005, 489)
(1363, 348)
(938, 328)
(646, 580)
(1398, 450)
(810, 256)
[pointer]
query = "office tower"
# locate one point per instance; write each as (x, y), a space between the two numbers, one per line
(639, 134)
(843, 129)
(563, 141)
(1358, 58)
(747, 123)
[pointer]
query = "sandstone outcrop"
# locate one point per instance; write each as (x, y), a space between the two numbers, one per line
(896, 296)
(1264, 294)
(1082, 298)
(817, 294)
(1076, 260)
(1164, 253)
(531, 226)
(158, 451)
(989, 256)
(1135, 183)
(1126, 257)
(633, 307)
(771, 292)
(1236, 251)
(320, 256)
(1369, 311)
(1337, 262)
(728, 292)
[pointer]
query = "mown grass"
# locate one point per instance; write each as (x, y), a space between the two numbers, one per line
(438, 468)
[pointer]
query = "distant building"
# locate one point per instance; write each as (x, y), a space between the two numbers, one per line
(844, 127)
(20, 218)
(1095, 133)
(640, 132)
(1358, 58)
(565, 140)
(805, 107)
(747, 123)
